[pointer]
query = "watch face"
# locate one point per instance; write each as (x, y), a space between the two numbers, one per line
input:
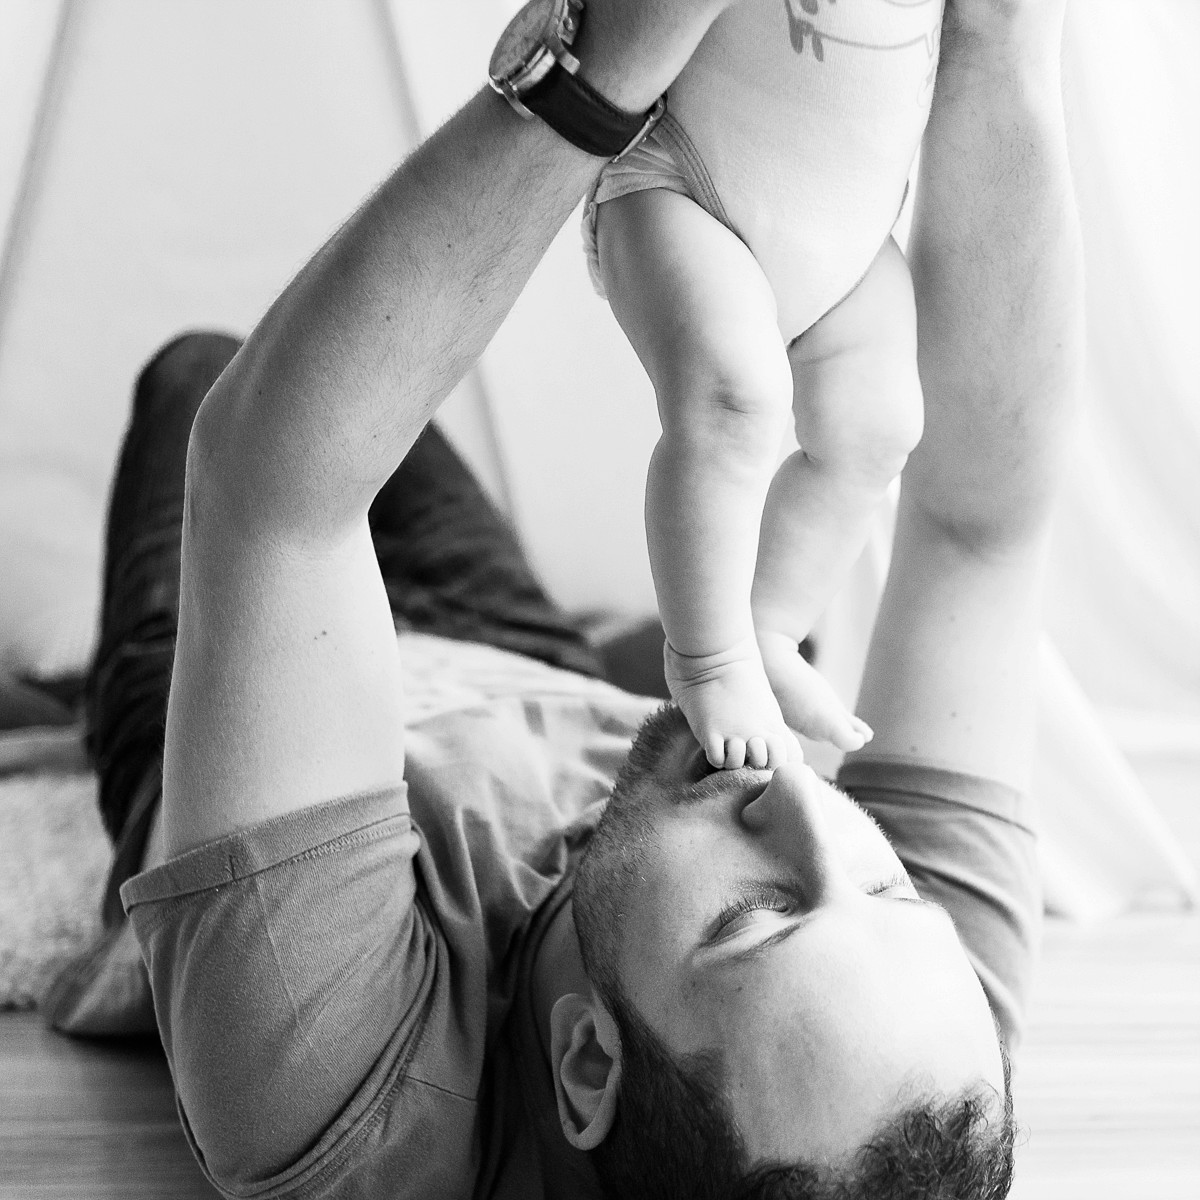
(523, 38)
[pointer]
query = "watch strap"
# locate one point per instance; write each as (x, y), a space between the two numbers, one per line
(579, 113)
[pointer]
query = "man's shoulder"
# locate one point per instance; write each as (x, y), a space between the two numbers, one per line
(968, 842)
(508, 762)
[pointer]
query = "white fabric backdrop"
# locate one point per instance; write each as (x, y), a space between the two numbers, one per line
(1125, 597)
(1121, 665)
(169, 165)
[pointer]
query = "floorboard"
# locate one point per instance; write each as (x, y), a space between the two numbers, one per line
(1108, 1082)
(86, 1121)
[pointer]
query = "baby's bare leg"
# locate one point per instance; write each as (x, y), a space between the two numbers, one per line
(858, 415)
(701, 316)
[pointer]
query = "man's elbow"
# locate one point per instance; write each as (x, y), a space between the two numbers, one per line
(244, 477)
(219, 477)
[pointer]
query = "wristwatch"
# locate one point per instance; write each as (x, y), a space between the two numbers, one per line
(533, 68)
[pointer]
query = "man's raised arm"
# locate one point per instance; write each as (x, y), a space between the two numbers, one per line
(997, 268)
(353, 358)
(286, 688)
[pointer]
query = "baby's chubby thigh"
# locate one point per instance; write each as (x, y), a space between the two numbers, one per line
(701, 315)
(858, 403)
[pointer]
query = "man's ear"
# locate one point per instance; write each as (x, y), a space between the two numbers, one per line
(585, 1056)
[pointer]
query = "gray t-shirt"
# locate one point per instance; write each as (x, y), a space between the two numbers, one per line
(344, 992)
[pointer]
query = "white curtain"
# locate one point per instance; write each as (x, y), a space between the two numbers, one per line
(1126, 588)
(1120, 679)
(183, 159)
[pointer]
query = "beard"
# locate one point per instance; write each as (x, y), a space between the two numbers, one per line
(612, 864)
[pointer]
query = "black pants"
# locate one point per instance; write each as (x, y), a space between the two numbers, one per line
(451, 564)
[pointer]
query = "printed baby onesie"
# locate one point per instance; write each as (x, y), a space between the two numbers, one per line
(803, 118)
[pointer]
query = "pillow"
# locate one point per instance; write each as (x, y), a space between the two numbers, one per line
(25, 705)
(50, 545)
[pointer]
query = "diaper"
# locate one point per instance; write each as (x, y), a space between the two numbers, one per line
(664, 159)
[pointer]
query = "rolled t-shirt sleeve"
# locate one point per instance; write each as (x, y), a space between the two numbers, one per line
(968, 844)
(285, 960)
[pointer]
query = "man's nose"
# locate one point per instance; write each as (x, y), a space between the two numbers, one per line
(790, 815)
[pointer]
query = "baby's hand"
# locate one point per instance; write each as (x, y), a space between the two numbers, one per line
(729, 705)
(805, 698)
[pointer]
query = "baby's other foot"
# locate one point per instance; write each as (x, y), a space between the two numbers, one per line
(807, 701)
(728, 703)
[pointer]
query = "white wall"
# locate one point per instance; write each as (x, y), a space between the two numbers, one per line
(572, 411)
(187, 156)
(166, 165)
(190, 156)
(1125, 590)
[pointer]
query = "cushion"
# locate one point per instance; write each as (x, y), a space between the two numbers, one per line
(50, 584)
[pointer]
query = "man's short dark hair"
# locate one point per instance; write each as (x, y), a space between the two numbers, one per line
(674, 1137)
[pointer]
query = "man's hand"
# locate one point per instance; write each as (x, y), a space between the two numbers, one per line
(1002, 22)
(632, 50)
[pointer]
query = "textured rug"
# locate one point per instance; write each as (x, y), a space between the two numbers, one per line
(53, 860)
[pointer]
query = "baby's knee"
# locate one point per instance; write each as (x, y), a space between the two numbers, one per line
(896, 428)
(872, 441)
(746, 406)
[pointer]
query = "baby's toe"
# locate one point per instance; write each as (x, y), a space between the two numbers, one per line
(862, 728)
(714, 750)
(735, 753)
(783, 748)
(847, 732)
(758, 754)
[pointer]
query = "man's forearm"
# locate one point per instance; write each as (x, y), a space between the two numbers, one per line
(352, 359)
(998, 272)
(339, 377)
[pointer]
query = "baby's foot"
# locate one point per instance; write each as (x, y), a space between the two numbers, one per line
(807, 701)
(728, 704)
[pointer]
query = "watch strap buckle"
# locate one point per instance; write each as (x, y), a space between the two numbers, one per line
(652, 119)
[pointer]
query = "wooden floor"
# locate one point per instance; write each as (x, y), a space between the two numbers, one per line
(1108, 1083)
(86, 1122)
(1108, 1087)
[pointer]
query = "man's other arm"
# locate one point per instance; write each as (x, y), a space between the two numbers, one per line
(287, 687)
(997, 267)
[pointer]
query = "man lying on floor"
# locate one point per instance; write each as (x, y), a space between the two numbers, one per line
(449, 969)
